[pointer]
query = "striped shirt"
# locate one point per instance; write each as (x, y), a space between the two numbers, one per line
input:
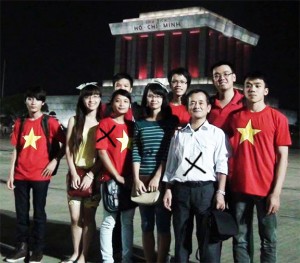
(151, 143)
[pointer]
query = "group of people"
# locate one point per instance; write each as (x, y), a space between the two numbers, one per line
(201, 153)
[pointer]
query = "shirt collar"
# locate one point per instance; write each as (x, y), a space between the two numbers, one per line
(188, 127)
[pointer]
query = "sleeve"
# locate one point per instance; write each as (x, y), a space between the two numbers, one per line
(56, 130)
(14, 135)
(282, 134)
(222, 152)
(136, 144)
(172, 160)
(101, 137)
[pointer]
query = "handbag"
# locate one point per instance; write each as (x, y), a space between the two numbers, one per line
(222, 225)
(110, 195)
(79, 192)
(147, 198)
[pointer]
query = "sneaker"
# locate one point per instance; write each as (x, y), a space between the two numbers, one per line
(18, 254)
(36, 257)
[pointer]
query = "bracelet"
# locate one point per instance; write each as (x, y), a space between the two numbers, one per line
(89, 176)
(221, 192)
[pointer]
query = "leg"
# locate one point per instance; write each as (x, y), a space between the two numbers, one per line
(163, 224)
(127, 235)
(267, 225)
(76, 225)
(243, 212)
(202, 202)
(106, 230)
(147, 218)
(89, 227)
(117, 245)
(22, 204)
(181, 214)
(39, 190)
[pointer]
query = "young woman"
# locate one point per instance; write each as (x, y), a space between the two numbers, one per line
(150, 148)
(113, 143)
(81, 154)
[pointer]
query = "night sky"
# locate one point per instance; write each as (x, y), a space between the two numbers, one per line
(61, 44)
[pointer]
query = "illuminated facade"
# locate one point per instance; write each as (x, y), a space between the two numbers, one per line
(151, 45)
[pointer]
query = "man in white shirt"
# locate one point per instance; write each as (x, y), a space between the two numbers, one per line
(195, 174)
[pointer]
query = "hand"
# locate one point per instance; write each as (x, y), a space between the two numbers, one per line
(49, 168)
(220, 202)
(75, 181)
(120, 179)
(85, 183)
(10, 183)
(153, 184)
(273, 204)
(168, 199)
(139, 187)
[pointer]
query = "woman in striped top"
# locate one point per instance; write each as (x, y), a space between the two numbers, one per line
(152, 136)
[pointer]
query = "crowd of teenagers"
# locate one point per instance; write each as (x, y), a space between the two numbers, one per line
(200, 153)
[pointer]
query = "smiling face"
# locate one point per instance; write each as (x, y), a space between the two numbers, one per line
(123, 84)
(179, 85)
(255, 90)
(154, 101)
(198, 106)
(92, 102)
(223, 78)
(120, 104)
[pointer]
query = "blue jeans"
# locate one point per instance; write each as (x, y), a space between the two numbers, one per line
(106, 233)
(198, 201)
(243, 206)
(22, 204)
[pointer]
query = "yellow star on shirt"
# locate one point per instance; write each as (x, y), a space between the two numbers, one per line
(248, 133)
(125, 141)
(31, 139)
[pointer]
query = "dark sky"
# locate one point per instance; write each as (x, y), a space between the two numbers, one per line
(61, 44)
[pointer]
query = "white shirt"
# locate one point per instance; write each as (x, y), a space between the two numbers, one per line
(208, 144)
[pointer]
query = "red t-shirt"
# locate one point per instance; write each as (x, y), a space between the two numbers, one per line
(116, 139)
(181, 113)
(33, 156)
(218, 116)
(254, 137)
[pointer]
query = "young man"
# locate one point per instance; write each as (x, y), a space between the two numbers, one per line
(124, 81)
(196, 168)
(227, 99)
(179, 81)
(31, 168)
(260, 137)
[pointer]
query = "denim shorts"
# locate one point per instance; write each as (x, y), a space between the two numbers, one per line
(155, 214)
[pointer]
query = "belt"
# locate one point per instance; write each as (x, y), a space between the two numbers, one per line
(194, 183)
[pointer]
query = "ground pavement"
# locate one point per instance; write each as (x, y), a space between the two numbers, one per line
(59, 244)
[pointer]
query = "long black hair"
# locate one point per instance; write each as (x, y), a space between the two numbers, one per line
(81, 112)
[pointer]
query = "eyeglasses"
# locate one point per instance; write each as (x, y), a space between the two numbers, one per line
(178, 82)
(154, 97)
(225, 75)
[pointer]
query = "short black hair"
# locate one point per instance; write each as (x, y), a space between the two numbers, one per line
(197, 90)
(257, 75)
(122, 75)
(35, 92)
(221, 63)
(180, 71)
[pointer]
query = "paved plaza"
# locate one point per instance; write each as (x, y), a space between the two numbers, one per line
(59, 244)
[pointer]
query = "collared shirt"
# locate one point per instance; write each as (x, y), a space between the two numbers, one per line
(197, 155)
(219, 115)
